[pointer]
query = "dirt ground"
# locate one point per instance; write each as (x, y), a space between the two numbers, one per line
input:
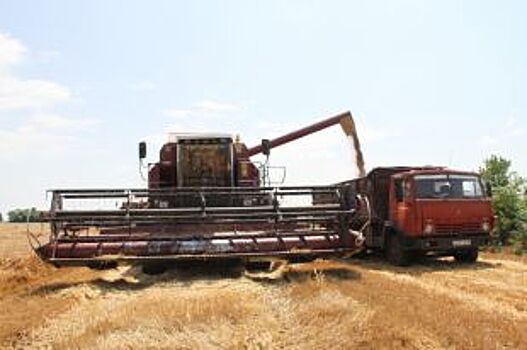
(356, 303)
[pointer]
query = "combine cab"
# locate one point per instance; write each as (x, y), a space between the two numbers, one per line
(206, 200)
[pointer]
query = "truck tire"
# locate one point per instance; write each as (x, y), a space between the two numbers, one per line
(468, 256)
(395, 254)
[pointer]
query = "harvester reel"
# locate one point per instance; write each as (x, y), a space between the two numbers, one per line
(214, 224)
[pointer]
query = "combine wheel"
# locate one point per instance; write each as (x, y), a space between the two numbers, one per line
(154, 268)
(466, 256)
(394, 251)
(102, 265)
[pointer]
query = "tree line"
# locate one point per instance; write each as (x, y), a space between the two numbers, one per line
(25, 215)
(509, 201)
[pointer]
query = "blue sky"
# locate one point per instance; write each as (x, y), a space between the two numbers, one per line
(82, 82)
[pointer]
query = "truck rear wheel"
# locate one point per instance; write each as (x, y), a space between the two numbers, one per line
(466, 256)
(395, 253)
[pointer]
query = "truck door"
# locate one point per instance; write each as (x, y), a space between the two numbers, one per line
(400, 203)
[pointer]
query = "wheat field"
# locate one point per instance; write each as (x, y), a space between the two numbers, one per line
(356, 303)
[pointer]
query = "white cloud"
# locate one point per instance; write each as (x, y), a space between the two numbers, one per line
(11, 50)
(42, 133)
(29, 139)
(203, 108)
(20, 93)
(56, 122)
(35, 128)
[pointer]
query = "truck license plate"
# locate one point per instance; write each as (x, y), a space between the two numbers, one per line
(461, 242)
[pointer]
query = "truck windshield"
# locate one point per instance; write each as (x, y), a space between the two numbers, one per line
(448, 186)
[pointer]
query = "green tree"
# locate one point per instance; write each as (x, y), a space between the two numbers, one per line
(508, 200)
(24, 215)
(496, 171)
(1, 217)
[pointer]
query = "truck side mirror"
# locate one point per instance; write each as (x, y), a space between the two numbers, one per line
(488, 189)
(266, 147)
(142, 150)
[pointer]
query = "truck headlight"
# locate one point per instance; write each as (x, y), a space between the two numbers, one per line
(485, 226)
(429, 228)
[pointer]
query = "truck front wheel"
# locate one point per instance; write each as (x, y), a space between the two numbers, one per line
(467, 255)
(395, 253)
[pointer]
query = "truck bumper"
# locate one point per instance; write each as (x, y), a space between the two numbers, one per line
(445, 244)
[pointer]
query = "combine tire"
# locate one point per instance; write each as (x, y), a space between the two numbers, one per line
(468, 256)
(102, 265)
(154, 268)
(395, 253)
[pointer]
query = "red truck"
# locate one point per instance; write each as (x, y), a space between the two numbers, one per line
(425, 210)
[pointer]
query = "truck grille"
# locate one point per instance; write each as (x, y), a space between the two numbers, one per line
(473, 227)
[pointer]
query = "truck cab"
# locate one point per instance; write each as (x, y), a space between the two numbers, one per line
(426, 210)
(439, 210)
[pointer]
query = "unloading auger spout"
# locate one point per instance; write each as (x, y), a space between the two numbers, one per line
(344, 119)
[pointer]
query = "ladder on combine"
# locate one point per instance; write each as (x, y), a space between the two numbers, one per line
(142, 226)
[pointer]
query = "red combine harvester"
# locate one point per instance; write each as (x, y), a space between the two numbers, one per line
(206, 200)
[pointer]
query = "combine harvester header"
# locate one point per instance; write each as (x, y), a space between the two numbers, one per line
(207, 200)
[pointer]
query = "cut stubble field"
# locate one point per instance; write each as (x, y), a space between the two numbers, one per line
(337, 304)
